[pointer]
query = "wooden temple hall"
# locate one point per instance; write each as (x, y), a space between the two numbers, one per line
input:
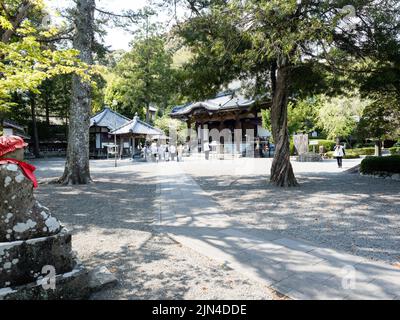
(111, 132)
(230, 111)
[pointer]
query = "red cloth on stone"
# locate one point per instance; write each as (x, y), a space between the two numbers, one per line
(11, 143)
(26, 168)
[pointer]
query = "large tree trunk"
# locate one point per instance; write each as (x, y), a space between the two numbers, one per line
(281, 172)
(36, 149)
(378, 148)
(77, 164)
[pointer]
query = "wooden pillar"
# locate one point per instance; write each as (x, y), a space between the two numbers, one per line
(221, 146)
(238, 136)
(201, 136)
(256, 123)
(189, 127)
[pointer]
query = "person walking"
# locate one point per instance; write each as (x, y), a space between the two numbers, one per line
(161, 152)
(154, 151)
(339, 153)
(180, 153)
(166, 152)
(172, 151)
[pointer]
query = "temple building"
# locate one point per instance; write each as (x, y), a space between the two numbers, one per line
(228, 110)
(11, 128)
(134, 133)
(101, 124)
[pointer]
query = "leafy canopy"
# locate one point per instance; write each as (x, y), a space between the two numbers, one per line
(143, 77)
(26, 58)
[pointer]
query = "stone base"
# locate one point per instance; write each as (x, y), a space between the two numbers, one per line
(309, 157)
(22, 262)
(73, 285)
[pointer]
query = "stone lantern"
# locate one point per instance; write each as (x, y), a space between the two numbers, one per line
(36, 258)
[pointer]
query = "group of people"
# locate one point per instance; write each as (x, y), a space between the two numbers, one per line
(162, 152)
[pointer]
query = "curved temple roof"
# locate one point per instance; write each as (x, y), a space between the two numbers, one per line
(108, 118)
(221, 102)
(137, 126)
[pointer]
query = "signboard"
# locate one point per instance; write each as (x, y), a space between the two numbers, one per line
(314, 142)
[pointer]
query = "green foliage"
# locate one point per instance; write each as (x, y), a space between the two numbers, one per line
(302, 116)
(292, 148)
(364, 151)
(327, 144)
(364, 145)
(338, 116)
(376, 165)
(165, 123)
(25, 62)
(266, 120)
(394, 151)
(349, 155)
(355, 153)
(381, 119)
(142, 77)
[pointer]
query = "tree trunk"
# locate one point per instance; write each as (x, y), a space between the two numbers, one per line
(147, 112)
(77, 164)
(47, 110)
(281, 172)
(378, 148)
(16, 21)
(36, 149)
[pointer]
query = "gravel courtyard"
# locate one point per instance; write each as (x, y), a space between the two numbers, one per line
(360, 215)
(111, 221)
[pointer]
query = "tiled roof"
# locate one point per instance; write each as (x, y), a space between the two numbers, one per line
(137, 126)
(12, 124)
(223, 101)
(108, 118)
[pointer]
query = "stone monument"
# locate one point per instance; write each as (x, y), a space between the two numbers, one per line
(36, 258)
(301, 143)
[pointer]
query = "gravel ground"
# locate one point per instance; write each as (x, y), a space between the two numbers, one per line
(111, 221)
(360, 215)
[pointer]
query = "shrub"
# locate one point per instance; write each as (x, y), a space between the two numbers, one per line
(327, 144)
(364, 151)
(292, 148)
(349, 155)
(394, 151)
(356, 153)
(373, 165)
(365, 145)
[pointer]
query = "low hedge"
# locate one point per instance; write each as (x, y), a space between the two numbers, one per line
(292, 148)
(373, 165)
(327, 144)
(394, 151)
(364, 151)
(349, 155)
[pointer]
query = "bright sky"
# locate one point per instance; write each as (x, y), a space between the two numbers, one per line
(116, 38)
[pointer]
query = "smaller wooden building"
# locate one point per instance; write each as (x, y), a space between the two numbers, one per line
(101, 125)
(12, 128)
(132, 134)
